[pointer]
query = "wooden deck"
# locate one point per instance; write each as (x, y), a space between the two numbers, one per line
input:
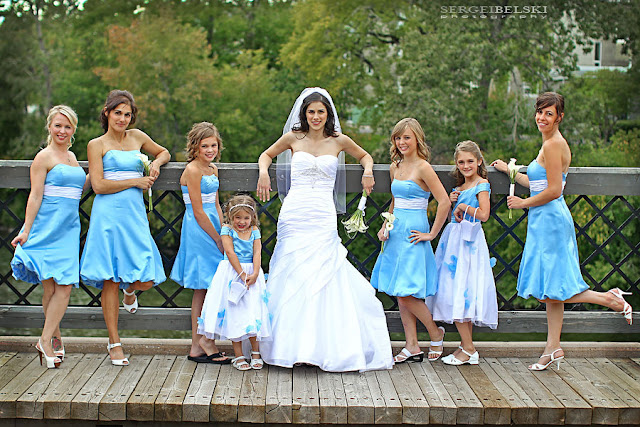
(170, 388)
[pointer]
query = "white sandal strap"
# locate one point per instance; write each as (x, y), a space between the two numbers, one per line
(255, 352)
(466, 352)
(129, 293)
(114, 345)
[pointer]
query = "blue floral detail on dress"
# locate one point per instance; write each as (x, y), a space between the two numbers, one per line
(471, 245)
(452, 266)
(221, 317)
(249, 328)
(492, 261)
(200, 321)
(258, 324)
(265, 296)
(467, 303)
(270, 317)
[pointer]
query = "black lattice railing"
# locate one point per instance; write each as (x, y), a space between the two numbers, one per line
(607, 228)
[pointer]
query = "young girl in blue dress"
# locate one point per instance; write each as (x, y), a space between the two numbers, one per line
(200, 242)
(466, 289)
(550, 267)
(224, 315)
(48, 245)
(406, 267)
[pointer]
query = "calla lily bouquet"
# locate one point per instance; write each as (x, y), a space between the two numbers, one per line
(513, 172)
(390, 218)
(355, 224)
(146, 165)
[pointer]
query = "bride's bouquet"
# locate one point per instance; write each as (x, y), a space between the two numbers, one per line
(355, 224)
(390, 218)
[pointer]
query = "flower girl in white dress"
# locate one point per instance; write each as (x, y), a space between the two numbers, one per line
(235, 307)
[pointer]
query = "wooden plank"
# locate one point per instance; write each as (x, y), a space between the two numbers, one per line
(5, 356)
(629, 367)
(523, 410)
(306, 404)
(113, 405)
(496, 408)
(253, 396)
(605, 411)
(442, 409)
(86, 403)
(415, 409)
(30, 404)
(331, 395)
(57, 400)
(168, 405)
(12, 367)
(550, 410)
(577, 411)
(23, 377)
(470, 410)
(140, 406)
(197, 402)
(358, 398)
(386, 403)
(624, 387)
(279, 395)
(226, 396)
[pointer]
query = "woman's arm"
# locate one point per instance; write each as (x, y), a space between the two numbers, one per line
(38, 174)
(107, 186)
(160, 154)
(257, 262)
(193, 177)
(501, 166)
(553, 164)
(365, 159)
(264, 161)
(429, 176)
(392, 173)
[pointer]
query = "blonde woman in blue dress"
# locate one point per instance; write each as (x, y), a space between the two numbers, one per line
(406, 267)
(120, 252)
(550, 268)
(48, 245)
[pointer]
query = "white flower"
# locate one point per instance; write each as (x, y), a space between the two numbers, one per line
(390, 219)
(355, 224)
(513, 169)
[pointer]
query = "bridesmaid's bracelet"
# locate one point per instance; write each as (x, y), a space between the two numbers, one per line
(367, 176)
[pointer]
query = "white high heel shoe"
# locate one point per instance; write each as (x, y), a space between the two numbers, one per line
(627, 310)
(541, 367)
(117, 362)
(131, 308)
(52, 361)
(58, 353)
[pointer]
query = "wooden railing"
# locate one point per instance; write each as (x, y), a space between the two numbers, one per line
(605, 204)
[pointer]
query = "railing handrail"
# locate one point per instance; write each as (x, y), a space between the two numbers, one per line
(592, 181)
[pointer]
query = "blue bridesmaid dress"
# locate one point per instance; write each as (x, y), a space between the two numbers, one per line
(550, 267)
(119, 246)
(198, 256)
(53, 247)
(404, 269)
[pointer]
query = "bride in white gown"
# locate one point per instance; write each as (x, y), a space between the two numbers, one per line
(325, 313)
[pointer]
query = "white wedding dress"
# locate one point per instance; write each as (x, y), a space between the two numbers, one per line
(325, 312)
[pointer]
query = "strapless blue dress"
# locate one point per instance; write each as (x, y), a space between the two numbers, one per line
(199, 256)
(119, 245)
(402, 268)
(53, 247)
(550, 267)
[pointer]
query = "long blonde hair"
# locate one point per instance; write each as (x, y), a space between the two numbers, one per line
(69, 114)
(423, 149)
(468, 147)
(198, 132)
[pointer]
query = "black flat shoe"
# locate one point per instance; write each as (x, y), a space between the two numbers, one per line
(209, 359)
(198, 359)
